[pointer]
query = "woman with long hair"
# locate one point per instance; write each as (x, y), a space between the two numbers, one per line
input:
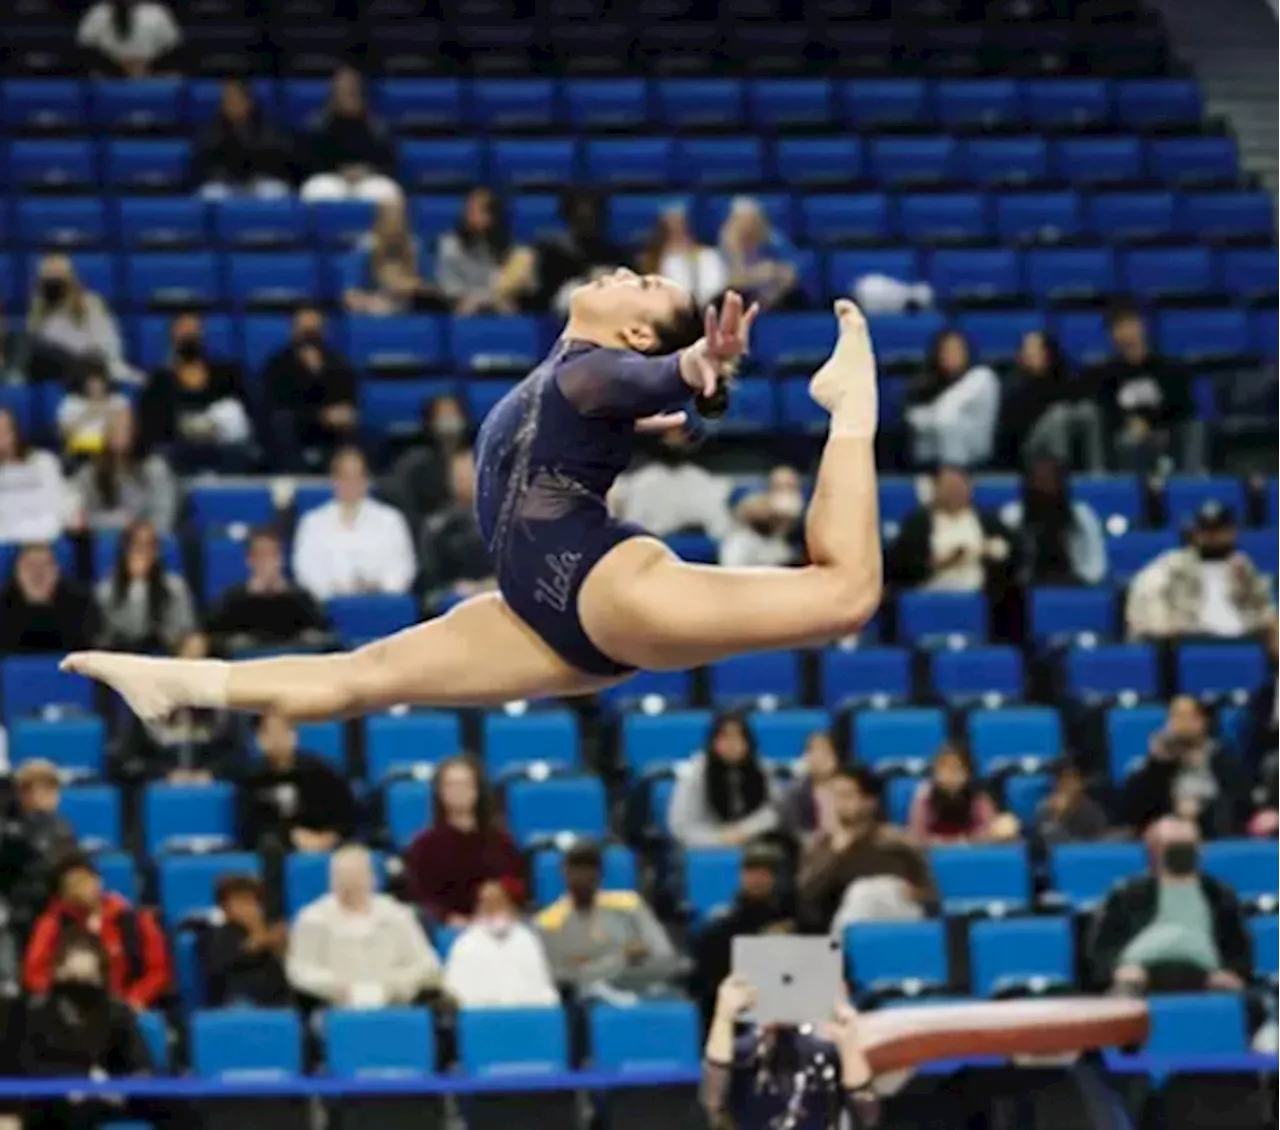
(240, 154)
(674, 251)
(394, 275)
(479, 268)
(1061, 541)
(1044, 410)
(809, 804)
(144, 607)
(123, 484)
(949, 806)
(33, 493)
(954, 410)
(723, 795)
(464, 847)
(70, 323)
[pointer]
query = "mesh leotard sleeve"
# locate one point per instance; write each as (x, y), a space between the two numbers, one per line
(618, 384)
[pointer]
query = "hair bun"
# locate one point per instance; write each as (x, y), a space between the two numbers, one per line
(714, 406)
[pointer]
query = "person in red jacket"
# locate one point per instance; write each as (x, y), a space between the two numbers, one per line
(139, 970)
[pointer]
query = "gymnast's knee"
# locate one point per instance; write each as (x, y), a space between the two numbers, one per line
(853, 604)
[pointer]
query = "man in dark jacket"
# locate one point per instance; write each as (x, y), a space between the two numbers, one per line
(34, 840)
(40, 610)
(455, 562)
(1174, 930)
(243, 956)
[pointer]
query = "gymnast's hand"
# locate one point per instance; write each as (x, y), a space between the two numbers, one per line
(724, 342)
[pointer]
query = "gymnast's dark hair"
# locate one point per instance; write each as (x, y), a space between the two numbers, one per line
(679, 332)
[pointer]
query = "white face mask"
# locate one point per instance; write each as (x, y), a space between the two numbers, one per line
(786, 503)
(496, 925)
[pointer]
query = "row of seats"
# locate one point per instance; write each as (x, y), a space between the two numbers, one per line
(42, 105)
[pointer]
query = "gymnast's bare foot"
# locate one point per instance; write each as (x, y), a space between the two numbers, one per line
(148, 686)
(846, 384)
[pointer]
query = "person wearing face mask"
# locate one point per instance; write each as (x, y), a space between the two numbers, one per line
(455, 562)
(671, 494)
(129, 38)
(351, 155)
(1205, 588)
(42, 611)
(418, 482)
(194, 407)
(1174, 930)
(69, 324)
(355, 948)
(857, 867)
(311, 387)
(497, 961)
(950, 807)
(954, 408)
(767, 525)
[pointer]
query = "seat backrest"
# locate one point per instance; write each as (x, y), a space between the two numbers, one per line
(379, 1043)
(1020, 948)
(879, 952)
(657, 1035)
(246, 1043)
(510, 1041)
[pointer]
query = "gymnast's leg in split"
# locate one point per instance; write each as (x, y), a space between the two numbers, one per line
(640, 605)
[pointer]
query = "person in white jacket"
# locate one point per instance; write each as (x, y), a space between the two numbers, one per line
(354, 544)
(953, 419)
(498, 961)
(34, 499)
(355, 948)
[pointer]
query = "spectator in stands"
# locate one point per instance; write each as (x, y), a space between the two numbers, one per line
(144, 606)
(268, 610)
(856, 867)
(312, 390)
(129, 38)
(1265, 797)
(122, 484)
(463, 848)
(950, 545)
(478, 268)
(954, 408)
(768, 525)
(393, 267)
(674, 252)
(86, 410)
(242, 954)
(1145, 399)
(354, 544)
(14, 355)
(1260, 745)
(672, 494)
(33, 493)
(1206, 588)
(808, 801)
(35, 837)
(950, 807)
(1174, 930)
(193, 408)
(497, 961)
(603, 940)
(1059, 542)
(575, 255)
(239, 153)
(138, 970)
(351, 155)
(759, 907)
(418, 482)
(81, 1029)
(455, 561)
(1069, 814)
(723, 795)
(1045, 411)
(41, 611)
(355, 948)
(761, 261)
(293, 799)
(69, 325)
(1186, 774)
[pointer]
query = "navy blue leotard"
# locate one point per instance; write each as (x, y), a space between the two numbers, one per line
(546, 457)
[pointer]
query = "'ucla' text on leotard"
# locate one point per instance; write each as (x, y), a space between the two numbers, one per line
(546, 457)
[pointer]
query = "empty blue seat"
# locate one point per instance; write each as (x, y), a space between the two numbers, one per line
(1204, 335)
(1129, 734)
(407, 807)
(1157, 273)
(1185, 494)
(818, 161)
(513, 104)
(119, 874)
(140, 104)
(257, 1043)
(1061, 274)
(1098, 160)
(544, 161)
(1005, 160)
(711, 877)
(441, 163)
(512, 1041)
(274, 280)
(944, 218)
(877, 103)
(172, 280)
(608, 103)
(379, 1043)
(1069, 102)
(880, 955)
(394, 407)
(977, 673)
(774, 674)
(1250, 272)
(539, 809)
(924, 616)
(793, 340)
(655, 1035)
(1129, 552)
(327, 740)
(176, 815)
(1065, 613)
(1264, 333)
(159, 222)
(75, 745)
(1226, 215)
(1262, 547)
(59, 165)
(400, 741)
(878, 675)
(436, 214)
(1248, 867)
(845, 268)
(1083, 873)
(188, 883)
(1016, 954)
(697, 102)
(1042, 217)
(1196, 1024)
(846, 218)
(647, 161)
(515, 740)
(149, 166)
(213, 506)
(1264, 932)
(978, 103)
(1123, 217)
(1000, 738)
(1024, 793)
(710, 162)
(886, 739)
(30, 684)
(897, 161)
(63, 223)
(668, 689)
(977, 876)
(904, 338)
(1210, 669)
(261, 223)
(1152, 103)
(619, 872)
(496, 344)
(996, 335)
(790, 103)
(985, 274)
(358, 619)
(38, 105)
(302, 101)
(400, 343)
(651, 741)
(1112, 669)
(93, 811)
(408, 104)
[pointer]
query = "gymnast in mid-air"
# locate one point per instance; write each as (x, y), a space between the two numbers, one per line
(583, 600)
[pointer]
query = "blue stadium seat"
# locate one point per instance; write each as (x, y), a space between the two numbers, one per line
(281, 280)
(609, 103)
(877, 103)
(1157, 103)
(1185, 494)
(1196, 1024)
(519, 163)
(496, 343)
(358, 619)
(30, 684)
(515, 740)
(138, 105)
(985, 274)
(255, 1043)
(178, 815)
(401, 343)
(261, 223)
(1249, 867)
(1083, 336)
(1039, 217)
(1166, 272)
(75, 745)
(978, 876)
(161, 222)
(540, 809)
(1007, 161)
(1204, 335)
(61, 165)
(943, 218)
(1071, 102)
(1264, 333)
(223, 565)
(984, 103)
(1194, 161)
(434, 215)
(793, 340)
(655, 1035)
(155, 1037)
(814, 162)
(977, 674)
(1098, 160)
(513, 104)
(898, 496)
(306, 878)
(1130, 552)
(759, 675)
(668, 689)
(1129, 733)
(379, 1043)
(781, 734)
(925, 616)
(302, 100)
(119, 874)
(880, 676)
(1215, 669)
(535, 216)
(1111, 497)
(215, 506)
(1250, 272)
(512, 1041)
(846, 218)
(1083, 873)
(1112, 669)
(409, 104)
(777, 206)
(630, 161)
(1262, 547)
(398, 741)
(1226, 215)
(341, 223)
(720, 162)
(1264, 932)
(1019, 954)
(790, 103)
(407, 807)
(1058, 274)
(711, 878)
(447, 162)
(394, 407)
(885, 739)
(147, 166)
(42, 105)
(996, 335)
(902, 339)
(1127, 217)
(654, 741)
(1023, 793)
(1065, 613)
(61, 223)
(188, 883)
(1000, 738)
(881, 955)
(173, 280)
(93, 811)
(845, 268)
(903, 161)
(619, 872)
(700, 102)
